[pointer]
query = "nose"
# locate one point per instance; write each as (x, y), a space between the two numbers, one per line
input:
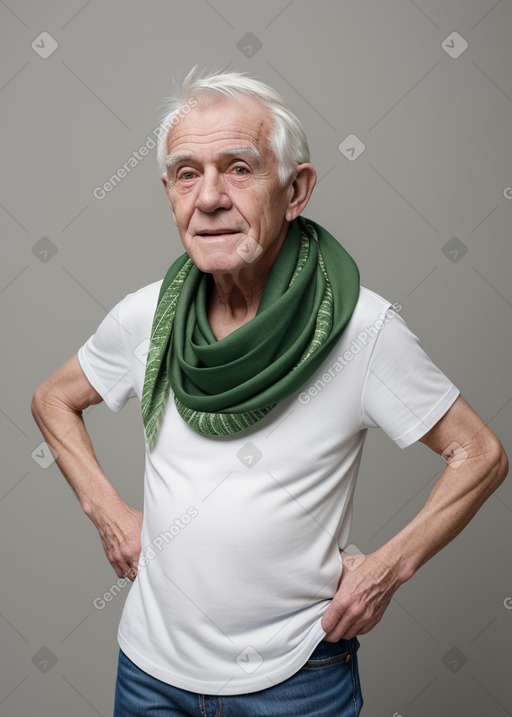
(212, 192)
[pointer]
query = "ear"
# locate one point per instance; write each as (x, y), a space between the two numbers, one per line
(301, 189)
(165, 182)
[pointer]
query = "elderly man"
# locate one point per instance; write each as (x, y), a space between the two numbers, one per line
(267, 364)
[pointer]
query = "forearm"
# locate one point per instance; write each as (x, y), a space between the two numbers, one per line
(454, 500)
(64, 430)
(118, 524)
(367, 586)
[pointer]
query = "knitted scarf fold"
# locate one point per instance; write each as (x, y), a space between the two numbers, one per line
(222, 387)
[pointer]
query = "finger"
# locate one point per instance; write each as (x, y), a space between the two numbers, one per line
(122, 567)
(118, 569)
(334, 625)
(132, 573)
(342, 620)
(332, 616)
(342, 629)
(354, 628)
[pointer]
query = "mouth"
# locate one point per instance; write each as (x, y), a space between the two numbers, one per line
(217, 233)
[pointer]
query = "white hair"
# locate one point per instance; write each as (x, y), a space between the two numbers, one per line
(287, 139)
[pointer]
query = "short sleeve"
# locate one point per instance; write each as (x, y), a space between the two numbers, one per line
(106, 361)
(404, 393)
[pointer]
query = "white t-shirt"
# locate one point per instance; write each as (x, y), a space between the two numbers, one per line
(241, 534)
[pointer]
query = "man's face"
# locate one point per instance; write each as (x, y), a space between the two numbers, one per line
(223, 188)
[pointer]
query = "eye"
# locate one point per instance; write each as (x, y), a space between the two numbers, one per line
(186, 174)
(240, 170)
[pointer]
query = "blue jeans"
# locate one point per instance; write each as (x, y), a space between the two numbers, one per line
(326, 686)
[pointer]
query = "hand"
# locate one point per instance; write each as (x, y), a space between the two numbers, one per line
(120, 531)
(366, 586)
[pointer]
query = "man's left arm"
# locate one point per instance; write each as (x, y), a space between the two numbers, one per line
(476, 465)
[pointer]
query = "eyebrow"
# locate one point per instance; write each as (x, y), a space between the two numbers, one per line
(173, 159)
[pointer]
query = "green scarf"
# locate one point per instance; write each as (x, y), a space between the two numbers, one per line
(222, 387)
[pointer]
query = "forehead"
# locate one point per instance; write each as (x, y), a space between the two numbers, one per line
(212, 126)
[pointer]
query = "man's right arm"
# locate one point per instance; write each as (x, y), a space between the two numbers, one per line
(57, 407)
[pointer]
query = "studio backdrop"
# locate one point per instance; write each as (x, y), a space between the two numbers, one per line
(407, 105)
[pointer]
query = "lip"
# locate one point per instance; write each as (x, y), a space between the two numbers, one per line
(219, 234)
(215, 232)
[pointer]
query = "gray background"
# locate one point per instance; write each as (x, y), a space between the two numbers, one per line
(425, 211)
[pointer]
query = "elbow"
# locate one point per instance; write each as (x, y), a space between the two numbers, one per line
(503, 465)
(35, 401)
(499, 463)
(38, 399)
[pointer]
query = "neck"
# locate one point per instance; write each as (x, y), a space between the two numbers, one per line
(236, 296)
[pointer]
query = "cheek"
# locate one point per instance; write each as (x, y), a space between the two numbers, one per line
(272, 196)
(258, 200)
(182, 207)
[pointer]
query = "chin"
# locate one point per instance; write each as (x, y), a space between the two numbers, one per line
(218, 262)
